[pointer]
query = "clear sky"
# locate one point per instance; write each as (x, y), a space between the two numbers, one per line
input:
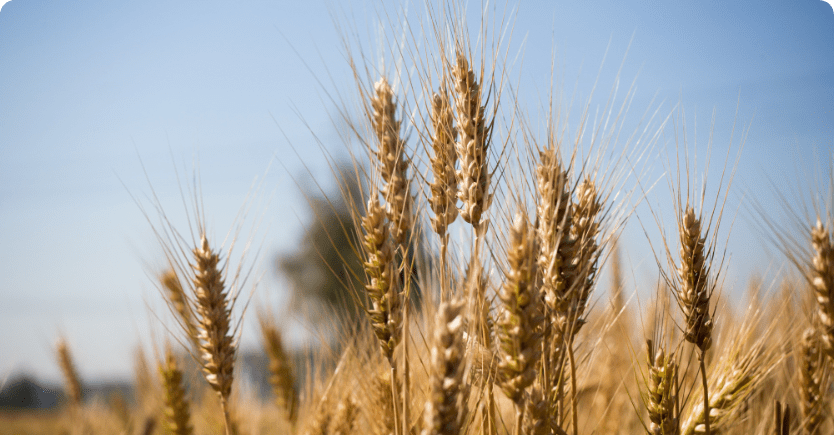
(89, 88)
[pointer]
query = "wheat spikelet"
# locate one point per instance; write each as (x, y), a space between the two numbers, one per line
(693, 291)
(384, 311)
(661, 393)
(521, 314)
(390, 152)
(473, 176)
(443, 187)
(822, 280)
(811, 386)
(444, 407)
(72, 382)
(280, 369)
(177, 409)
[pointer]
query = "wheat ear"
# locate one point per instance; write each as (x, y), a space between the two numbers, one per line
(384, 312)
(822, 280)
(179, 302)
(444, 407)
(177, 409)
(521, 315)
(280, 370)
(584, 253)
(343, 420)
(217, 346)
(553, 218)
(811, 376)
(736, 382)
(661, 392)
(72, 382)
(693, 294)
(443, 162)
(473, 176)
(394, 165)
(694, 291)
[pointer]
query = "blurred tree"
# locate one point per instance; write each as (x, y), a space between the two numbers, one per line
(325, 272)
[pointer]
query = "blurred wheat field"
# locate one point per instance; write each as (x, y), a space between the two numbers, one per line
(482, 237)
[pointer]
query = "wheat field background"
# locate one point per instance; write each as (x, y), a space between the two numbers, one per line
(495, 240)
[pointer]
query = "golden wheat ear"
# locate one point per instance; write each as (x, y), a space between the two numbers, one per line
(822, 281)
(177, 408)
(213, 324)
(812, 381)
(281, 376)
(693, 291)
(661, 392)
(72, 381)
(443, 161)
(521, 316)
(384, 309)
(445, 405)
(392, 162)
(473, 142)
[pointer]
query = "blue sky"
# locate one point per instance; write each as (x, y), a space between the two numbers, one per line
(89, 88)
